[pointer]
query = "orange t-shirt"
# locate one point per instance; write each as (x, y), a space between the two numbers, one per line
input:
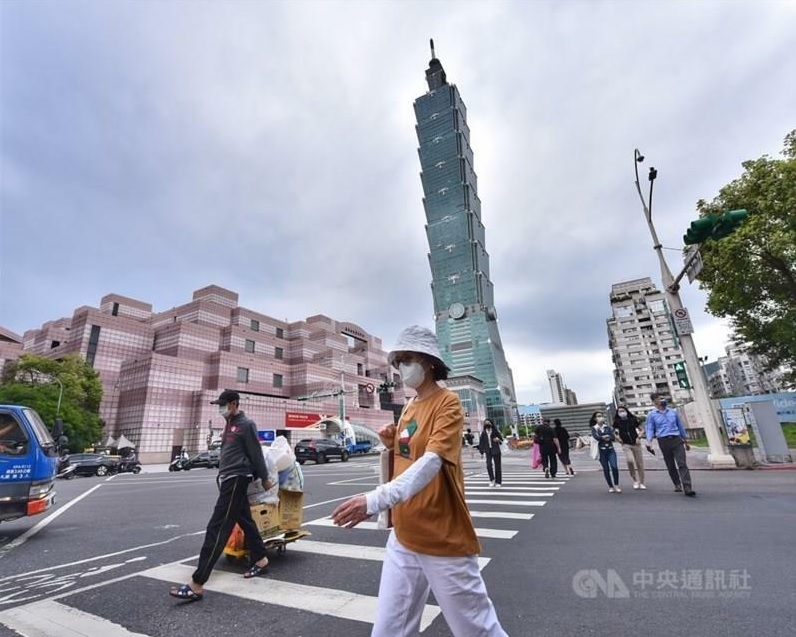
(436, 520)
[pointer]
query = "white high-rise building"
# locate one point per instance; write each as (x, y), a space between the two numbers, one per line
(741, 373)
(558, 390)
(643, 346)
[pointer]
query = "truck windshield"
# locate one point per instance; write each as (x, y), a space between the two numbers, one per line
(39, 429)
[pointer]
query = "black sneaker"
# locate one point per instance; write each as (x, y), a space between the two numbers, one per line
(678, 488)
(690, 493)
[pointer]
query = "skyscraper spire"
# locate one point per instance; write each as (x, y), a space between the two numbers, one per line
(435, 74)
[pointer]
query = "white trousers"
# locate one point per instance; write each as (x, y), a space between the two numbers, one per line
(407, 577)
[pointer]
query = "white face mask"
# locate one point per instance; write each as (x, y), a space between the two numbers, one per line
(622, 414)
(223, 410)
(412, 374)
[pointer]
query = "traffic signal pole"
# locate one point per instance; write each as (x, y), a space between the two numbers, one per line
(718, 457)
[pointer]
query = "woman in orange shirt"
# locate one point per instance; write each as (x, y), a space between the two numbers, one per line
(433, 546)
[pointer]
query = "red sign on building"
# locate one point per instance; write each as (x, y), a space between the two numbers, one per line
(297, 420)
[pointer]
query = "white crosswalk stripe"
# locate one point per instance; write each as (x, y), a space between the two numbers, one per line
(372, 526)
(325, 601)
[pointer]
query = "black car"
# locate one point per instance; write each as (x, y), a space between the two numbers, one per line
(209, 459)
(90, 464)
(319, 450)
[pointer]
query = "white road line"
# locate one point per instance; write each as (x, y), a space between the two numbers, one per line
(528, 503)
(507, 488)
(372, 526)
(500, 493)
(501, 514)
(514, 483)
(51, 619)
(41, 525)
(100, 557)
(325, 601)
(353, 551)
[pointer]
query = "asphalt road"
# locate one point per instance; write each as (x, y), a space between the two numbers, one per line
(586, 562)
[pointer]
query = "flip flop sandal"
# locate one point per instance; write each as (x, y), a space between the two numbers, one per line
(255, 571)
(186, 593)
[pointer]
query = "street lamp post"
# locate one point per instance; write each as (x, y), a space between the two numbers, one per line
(60, 395)
(718, 456)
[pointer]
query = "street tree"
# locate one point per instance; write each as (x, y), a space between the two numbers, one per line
(31, 381)
(750, 275)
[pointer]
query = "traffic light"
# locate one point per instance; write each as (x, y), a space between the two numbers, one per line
(700, 230)
(729, 222)
(682, 375)
(713, 226)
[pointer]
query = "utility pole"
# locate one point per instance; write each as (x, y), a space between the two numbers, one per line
(708, 417)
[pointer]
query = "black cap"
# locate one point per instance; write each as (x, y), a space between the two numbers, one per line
(227, 396)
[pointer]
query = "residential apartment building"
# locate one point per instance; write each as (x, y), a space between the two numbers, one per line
(557, 387)
(643, 345)
(160, 370)
(741, 373)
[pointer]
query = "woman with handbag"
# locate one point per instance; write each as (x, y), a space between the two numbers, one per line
(489, 446)
(433, 545)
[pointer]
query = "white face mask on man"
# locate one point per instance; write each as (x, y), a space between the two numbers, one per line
(622, 414)
(412, 374)
(224, 410)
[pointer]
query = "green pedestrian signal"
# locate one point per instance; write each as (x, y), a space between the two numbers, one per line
(682, 375)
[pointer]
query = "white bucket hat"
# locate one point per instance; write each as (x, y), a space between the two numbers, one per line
(417, 339)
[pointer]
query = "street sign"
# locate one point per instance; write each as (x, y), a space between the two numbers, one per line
(682, 322)
(695, 266)
(266, 435)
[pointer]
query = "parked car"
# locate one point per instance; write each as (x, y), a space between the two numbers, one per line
(90, 464)
(209, 459)
(319, 450)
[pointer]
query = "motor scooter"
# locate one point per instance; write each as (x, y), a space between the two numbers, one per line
(129, 466)
(178, 464)
(68, 472)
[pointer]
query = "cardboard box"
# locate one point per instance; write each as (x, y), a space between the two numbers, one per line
(291, 510)
(267, 519)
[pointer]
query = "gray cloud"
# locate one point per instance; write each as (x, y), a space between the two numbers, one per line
(152, 148)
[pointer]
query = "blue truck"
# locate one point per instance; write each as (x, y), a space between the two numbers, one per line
(28, 463)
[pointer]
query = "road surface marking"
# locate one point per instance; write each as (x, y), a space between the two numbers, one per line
(373, 526)
(501, 514)
(51, 619)
(528, 503)
(325, 601)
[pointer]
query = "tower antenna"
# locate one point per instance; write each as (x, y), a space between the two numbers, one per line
(433, 56)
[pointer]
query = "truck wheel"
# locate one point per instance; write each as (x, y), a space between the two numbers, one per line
(344, 456)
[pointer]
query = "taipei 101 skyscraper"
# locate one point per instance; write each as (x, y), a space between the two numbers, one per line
(464, 310)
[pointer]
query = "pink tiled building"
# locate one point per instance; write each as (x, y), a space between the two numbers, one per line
(161, 370)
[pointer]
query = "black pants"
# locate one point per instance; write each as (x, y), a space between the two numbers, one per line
(496, 474)
(549, 461)
(232, 507)
(673, 452)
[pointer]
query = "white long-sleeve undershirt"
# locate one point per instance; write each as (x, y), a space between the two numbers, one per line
(409, 483)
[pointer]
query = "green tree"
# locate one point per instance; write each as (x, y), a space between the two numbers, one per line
(750, 275)
(30, 381)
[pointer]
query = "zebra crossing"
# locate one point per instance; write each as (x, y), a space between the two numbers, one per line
(499, 514)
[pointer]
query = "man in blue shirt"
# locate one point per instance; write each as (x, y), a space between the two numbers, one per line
(664, 424)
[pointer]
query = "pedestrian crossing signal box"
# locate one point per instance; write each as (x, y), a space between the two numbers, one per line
(682, 375)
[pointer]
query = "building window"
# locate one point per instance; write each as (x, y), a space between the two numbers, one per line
(93, 341)
(255, 325)
(360, 369)
(115, 310)
(278, 378)
(243, 375)
(280, 333)
(279, 353)
(250, 346)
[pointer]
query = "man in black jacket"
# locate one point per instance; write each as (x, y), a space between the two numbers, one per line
(240, 462)
(489, 445)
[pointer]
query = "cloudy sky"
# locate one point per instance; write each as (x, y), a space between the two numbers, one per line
(152, 148)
